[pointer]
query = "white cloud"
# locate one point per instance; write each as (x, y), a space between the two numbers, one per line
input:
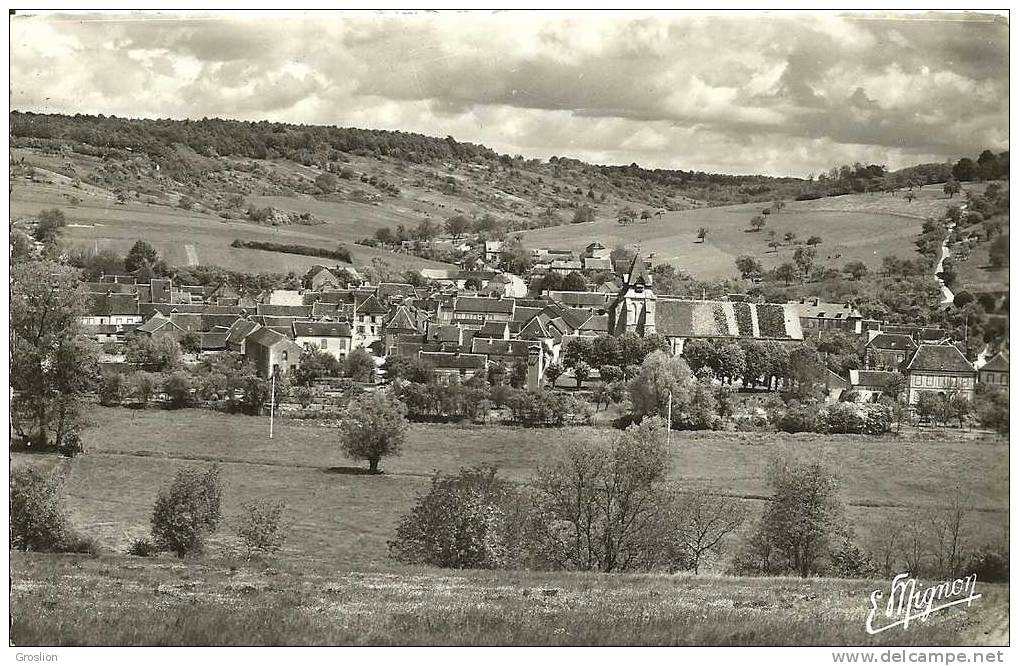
(772, 93)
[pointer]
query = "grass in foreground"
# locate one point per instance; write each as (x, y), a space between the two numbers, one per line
(344, 520)
(120, 600)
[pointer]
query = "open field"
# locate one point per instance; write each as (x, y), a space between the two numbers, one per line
(98, 220)
(975, 274)
(119, 600)
(344, 520)
(855, 227)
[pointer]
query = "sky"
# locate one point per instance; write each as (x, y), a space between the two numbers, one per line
(777, 94)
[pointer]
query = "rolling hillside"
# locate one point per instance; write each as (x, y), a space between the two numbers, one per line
(853, 227)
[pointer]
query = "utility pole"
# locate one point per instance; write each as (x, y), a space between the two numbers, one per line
(272, 401)
(668, 424)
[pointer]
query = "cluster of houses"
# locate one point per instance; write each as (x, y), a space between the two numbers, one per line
(464, 320)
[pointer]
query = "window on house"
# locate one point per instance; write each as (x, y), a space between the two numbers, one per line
(284, 356)
(324, 344)
(928, 381)
(1003, 379)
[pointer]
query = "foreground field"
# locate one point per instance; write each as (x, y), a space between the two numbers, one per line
(855, 227)
(119, 600)
(344, 520)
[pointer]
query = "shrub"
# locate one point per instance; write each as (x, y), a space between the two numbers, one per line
(797, 418)
(851, 562)
(142, 548)
(112, 389)
(260, 526)
(187, 511)
(462, 522)
(178, 389)
(989, 563)
(37, 520)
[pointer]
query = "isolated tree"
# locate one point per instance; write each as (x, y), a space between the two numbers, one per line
(261, 527)
(516, 258)
(786, 272)
(804, 515)
(50, 226)
(702, 233)
(931, 407)
(952, 187)
(601, 506)
(140, 254)
(659, 377)
(706, 520)
(553, 372)
(581, 372)
(749, 266)
(359, 365)
(457, 225)
(778, 205)
(758, 222)
(856, 269)
(37, 518)
(385, 236)
(479, 537)
(790, 237)
(645, 215)
(814, 241)
(804, 259)
(959, 407)
(187, 511)
(374, 425)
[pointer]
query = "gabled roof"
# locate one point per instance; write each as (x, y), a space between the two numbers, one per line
(484, 305)
(814, 308)
(187, 322)
(105, 305)
(333, 296)
(871, 378)
(684, 318)
(453, 360)
(155, 323)
(494, 329)
(213, 341)
(596, 323)
(239, 330)
(597, 264)
(284, 310)
(369, 306)
(490, 347)
(321, 329)
(892, 341)
(999, 363)
(266, 337)
(401, 320)
(938, 358)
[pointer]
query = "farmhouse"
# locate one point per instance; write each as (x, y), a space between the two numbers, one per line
(334, 338)
(475, 311)
(454, 366)
(272, 352)
(870, 385)
(995, 371)
(940, 369)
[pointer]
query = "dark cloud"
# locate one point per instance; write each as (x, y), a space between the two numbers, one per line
(689, 91)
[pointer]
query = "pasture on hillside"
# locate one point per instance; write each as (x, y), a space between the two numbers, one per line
(343, 519)
(120, 600)
(99, 221)
(854, 227)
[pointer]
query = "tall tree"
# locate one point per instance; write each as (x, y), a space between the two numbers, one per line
(141, 254)
(374, 425)
(53, 363)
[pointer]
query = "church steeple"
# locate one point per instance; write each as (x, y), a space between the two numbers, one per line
(633, 310)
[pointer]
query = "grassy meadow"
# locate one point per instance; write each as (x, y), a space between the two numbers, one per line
(343, 520)
(117, 600)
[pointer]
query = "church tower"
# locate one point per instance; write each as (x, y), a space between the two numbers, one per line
(633, 310)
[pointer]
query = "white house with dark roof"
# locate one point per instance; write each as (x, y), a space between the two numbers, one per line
(454, 366)
(939, 369)
(816, 316)
(272, 352)
(331, 337)
(475, 311)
